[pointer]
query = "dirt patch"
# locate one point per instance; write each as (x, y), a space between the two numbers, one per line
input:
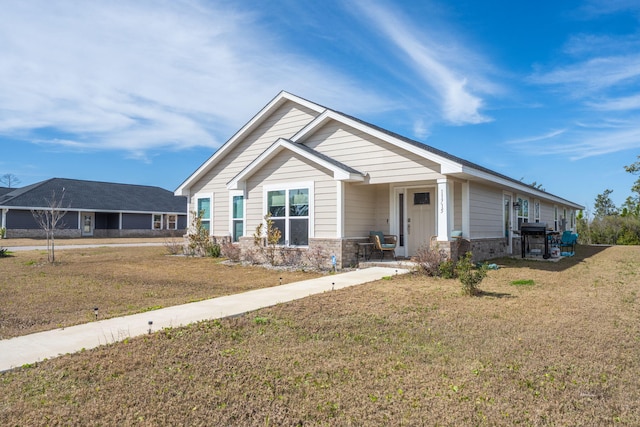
(561, 350)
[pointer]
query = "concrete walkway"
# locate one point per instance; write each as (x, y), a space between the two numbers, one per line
(15, 352)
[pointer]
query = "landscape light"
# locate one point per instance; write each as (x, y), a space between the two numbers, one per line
(150, 323)
(95, 311)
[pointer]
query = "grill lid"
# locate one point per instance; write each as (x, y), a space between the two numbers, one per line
(533, 228)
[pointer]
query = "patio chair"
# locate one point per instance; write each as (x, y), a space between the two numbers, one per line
(568, 240)
(383, 243)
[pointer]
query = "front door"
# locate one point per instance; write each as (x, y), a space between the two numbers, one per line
(87, 223)
(421, 218)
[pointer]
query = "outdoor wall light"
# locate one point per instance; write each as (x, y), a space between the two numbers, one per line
(95, 312)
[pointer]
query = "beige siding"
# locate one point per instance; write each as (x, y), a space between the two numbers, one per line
(385, 163)
(283, 123)
(286, 169)
(457, 206)
(366, 209)
(485, 205)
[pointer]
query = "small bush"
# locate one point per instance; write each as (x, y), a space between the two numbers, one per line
(447, 269)
(469, 276)
(230, 251)
(173, 246)
(4, 252)
(213, 250)
(429, 261)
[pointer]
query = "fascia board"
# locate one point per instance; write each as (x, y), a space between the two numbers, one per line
(281, 98)
(522, 188)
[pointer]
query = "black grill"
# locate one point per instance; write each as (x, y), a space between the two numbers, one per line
(530, 232)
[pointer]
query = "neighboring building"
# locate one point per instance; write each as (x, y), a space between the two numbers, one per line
(100, 209)
(328, 179)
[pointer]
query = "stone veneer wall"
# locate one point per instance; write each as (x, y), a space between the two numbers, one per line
(345, 251)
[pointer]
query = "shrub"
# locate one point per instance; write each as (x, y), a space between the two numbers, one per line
(173, 246)
(429, 261)
(230, 251)
(272, 235)
(469, 276)
(198, 240)
(213, 250)
(447, 269)
(4, 252)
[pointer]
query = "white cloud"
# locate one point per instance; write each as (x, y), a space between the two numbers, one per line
(537, 138)
(594, 139)
(142, 75)
(445, 67)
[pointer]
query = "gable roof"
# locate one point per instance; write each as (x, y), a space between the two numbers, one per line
(95, 196)
(340, 171)
(450, 164)
(267, 110)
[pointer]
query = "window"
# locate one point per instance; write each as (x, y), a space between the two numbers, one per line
(289, 210)
(421, 199)
(536, 211)
(157, 221)
(172, 222)
(237, 217)
(204, 210)
(523, 211)
(555, 218)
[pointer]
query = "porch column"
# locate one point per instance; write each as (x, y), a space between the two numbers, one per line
(3, 220)
(445, 209)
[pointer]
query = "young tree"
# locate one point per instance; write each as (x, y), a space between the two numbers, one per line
(50, 220)
(9, 180)
(604, 206)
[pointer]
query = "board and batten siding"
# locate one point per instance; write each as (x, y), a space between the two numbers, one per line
(486, 211)
(286, 169)
(383, 162)
(283, 123)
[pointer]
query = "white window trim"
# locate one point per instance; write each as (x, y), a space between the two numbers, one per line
(232, 194)
(211, 208)
(291, 186)
(153, 221)
(169, 222)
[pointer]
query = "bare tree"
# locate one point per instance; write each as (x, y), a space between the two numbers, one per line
(50, 220)
(9, 180)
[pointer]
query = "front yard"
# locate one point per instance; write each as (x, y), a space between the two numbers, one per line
(544, 344)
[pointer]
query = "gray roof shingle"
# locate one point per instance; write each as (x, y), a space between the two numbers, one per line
(95, 196)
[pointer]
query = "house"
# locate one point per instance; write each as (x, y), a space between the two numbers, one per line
(327, 179)
(100, 209)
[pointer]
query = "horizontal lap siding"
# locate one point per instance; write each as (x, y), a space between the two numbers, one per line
(485, 207)
(383, 162)
(283, 123)
(287, 168)
(457, 206)
(360, 210)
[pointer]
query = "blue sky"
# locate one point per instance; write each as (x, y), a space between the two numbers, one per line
(144, 92)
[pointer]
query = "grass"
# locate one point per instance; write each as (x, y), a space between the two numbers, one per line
(406, 351)
(37, 296)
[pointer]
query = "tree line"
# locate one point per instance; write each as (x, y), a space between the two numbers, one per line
(613, 225)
